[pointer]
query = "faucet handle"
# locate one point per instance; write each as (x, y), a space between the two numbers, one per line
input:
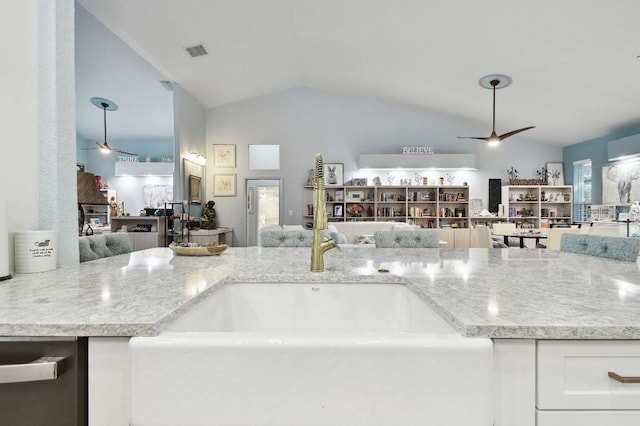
(332, 241)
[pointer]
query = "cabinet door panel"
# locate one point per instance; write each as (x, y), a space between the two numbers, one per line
(574, 375)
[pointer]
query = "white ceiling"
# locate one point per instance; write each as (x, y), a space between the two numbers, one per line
(576, 75)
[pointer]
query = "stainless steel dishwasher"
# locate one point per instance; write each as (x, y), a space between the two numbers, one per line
(43, 381)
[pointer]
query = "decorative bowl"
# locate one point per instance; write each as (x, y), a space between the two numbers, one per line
(210, 250)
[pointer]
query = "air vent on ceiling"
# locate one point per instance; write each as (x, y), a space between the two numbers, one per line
(195, 51)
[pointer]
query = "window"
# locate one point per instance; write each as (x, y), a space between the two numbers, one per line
(264, 157)
(581, 189)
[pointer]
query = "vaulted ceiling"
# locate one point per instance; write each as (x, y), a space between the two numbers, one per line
(574, 63)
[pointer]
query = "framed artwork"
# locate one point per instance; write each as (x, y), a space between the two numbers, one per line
(333, 173)
(555, 173)
(195, 189)
(224, 185)
(618, 183)
(337, 210)
(224, 156)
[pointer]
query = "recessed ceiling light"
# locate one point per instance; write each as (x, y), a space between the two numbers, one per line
(197, 50)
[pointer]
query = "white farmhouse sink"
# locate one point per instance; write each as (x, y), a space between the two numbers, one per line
(311, 354)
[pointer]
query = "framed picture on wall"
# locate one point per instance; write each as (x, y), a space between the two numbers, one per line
(555, 173)
(195, 189)
(224, 156)
(618, 183)
(224, 185)
(333, 173)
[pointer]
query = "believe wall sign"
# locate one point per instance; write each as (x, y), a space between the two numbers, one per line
(417, 150)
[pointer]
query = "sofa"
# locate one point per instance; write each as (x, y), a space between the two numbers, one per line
(407, 239)
(362, 234)
(105, 245)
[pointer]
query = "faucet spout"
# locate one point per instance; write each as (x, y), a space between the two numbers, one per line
(319, 247)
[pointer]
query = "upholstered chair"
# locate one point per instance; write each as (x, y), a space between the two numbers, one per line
(406, 239)
(616, 248)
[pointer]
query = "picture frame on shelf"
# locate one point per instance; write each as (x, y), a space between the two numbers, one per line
(339, 195)
(224, 155)
(224, 185)
(195, 189)
(355, 196)
(555, 173)
(337, 210)
(333, 173)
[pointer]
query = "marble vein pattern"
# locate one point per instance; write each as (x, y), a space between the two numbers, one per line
(498, 293)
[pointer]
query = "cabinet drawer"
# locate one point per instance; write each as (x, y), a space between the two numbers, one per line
(587, 418)
(574, 375)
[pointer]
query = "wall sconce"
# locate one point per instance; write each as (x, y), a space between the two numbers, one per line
(197, 158)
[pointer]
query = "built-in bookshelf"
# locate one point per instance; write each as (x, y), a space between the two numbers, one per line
(537, 206)
(428, 206)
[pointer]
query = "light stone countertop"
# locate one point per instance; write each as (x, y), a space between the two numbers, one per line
(500, 293)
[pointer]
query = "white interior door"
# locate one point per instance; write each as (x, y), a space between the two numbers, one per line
(264, 206)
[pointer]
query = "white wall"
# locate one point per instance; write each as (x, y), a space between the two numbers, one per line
(37, 117)
(189, 134)
(305, 121)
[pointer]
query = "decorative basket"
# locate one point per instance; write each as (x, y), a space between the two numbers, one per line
(210, 250)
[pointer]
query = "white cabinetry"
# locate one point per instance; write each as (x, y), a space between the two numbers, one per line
(574, 388)
(136, 227)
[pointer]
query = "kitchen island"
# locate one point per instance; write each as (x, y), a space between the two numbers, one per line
(519, 298)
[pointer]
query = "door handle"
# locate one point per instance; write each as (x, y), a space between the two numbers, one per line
(623, 379)
(43, 368)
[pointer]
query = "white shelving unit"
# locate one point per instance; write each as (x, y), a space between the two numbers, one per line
(537, 206)
(99, 211)
(428, 206)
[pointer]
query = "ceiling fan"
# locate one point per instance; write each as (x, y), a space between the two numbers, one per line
(495, 81)
(107, 105)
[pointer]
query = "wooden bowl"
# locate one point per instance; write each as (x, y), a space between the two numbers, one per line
(210, 250)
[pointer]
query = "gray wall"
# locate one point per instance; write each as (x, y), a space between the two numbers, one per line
(305, 121)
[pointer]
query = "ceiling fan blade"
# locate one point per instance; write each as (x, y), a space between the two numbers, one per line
(513, 132)
(474, 137)
(121, 151)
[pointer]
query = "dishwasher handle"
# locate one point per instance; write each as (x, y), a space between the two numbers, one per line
(43, 368)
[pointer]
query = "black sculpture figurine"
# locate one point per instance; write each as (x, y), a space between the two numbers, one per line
(208, 220)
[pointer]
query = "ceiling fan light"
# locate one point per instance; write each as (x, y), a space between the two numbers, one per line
(493, 142)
